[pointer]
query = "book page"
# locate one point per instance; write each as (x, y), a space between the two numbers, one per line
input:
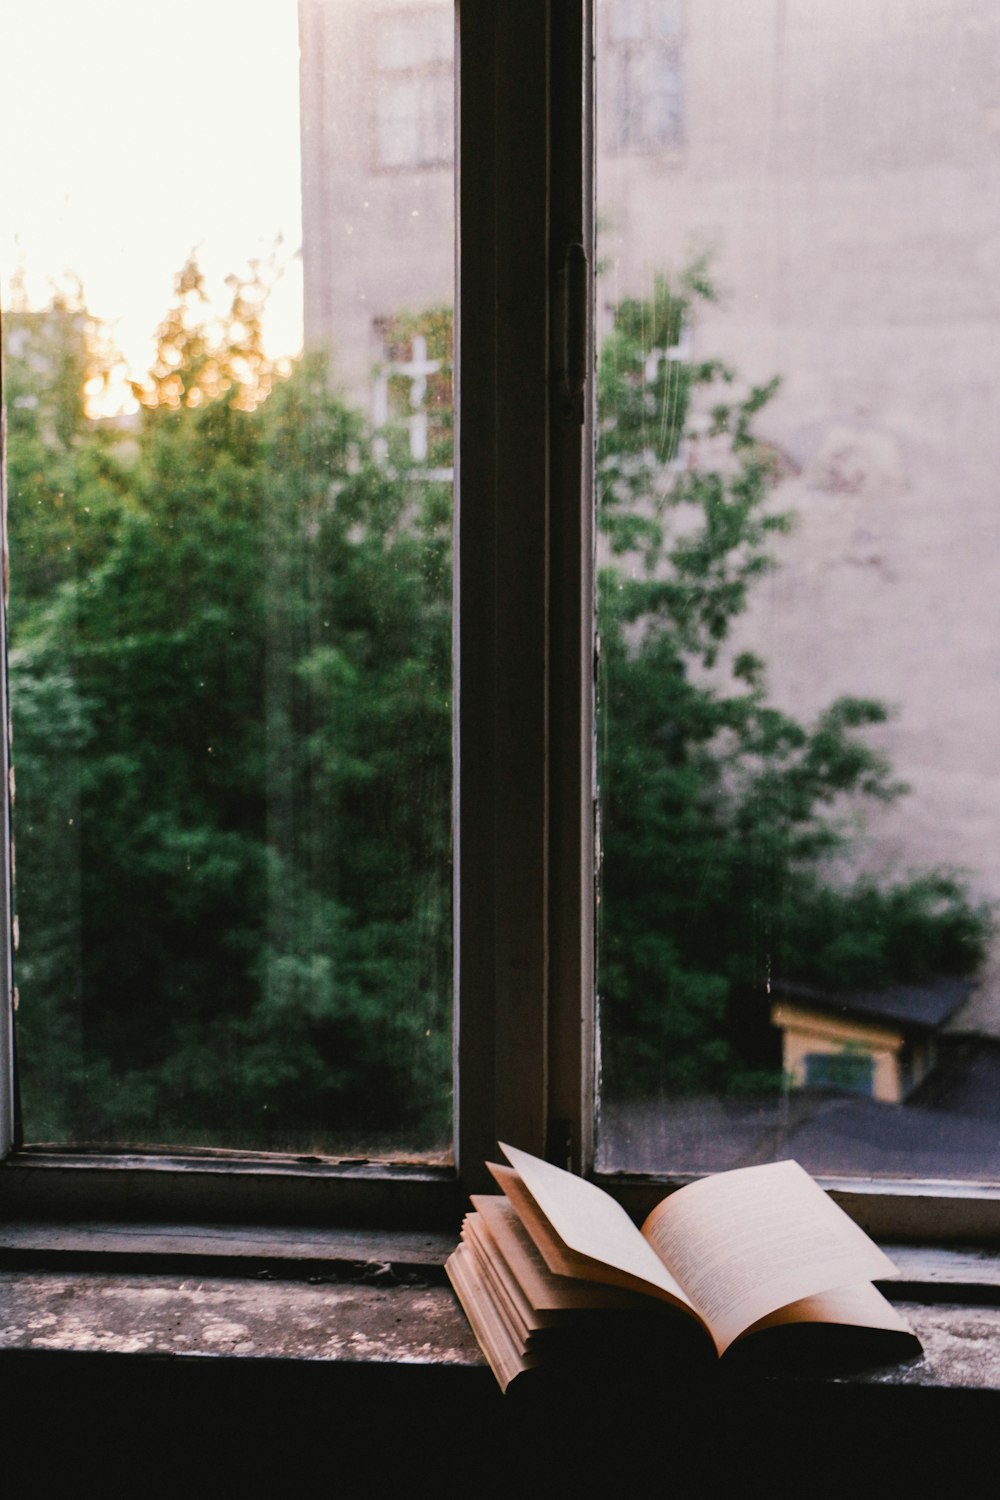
(506, 1359)
(559, 1260)
(745, 1243)
(510, 1302)
(593, 1225)
(861, 1306)
(546, 1291)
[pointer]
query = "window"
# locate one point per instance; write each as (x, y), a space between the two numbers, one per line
(525, 799)
(642, 75)
(510, 468)
(233, 882)
(412, 88)
(796, 887)
(412, 392)
(852, 1071)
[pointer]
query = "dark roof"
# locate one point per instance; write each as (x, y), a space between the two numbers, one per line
(830, 1134)
(924, 1007)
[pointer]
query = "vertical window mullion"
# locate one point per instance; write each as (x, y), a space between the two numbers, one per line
(7, 1093)
(571, 597)
(501, 550)
(523, 783)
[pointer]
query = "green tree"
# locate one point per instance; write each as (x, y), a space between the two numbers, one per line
(720, 814)
(230, 666)
(232, 715)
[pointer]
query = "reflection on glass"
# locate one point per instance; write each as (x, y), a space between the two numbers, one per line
(798, 713)
(230, 622)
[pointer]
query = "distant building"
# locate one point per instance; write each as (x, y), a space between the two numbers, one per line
(377, 181)
(882, 1044)
(839, 165)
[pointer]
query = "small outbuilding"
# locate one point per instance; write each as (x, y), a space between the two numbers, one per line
(879, 1043)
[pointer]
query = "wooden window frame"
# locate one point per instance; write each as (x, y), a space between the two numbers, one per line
(384, 76)
(524, 800)
(625, 137)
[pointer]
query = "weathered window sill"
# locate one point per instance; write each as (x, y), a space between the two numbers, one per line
(356, 1297)
(225, 1360)
(210, 1291)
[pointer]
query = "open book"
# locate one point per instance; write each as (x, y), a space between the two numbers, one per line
(758, 1259)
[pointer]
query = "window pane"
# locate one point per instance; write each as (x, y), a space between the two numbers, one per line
(798, 709)
(230, 536)
(641, 79)
(411, 37)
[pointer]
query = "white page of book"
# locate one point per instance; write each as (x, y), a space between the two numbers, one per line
(590, 1222)
(860, 1306)
(545, 1290)
(744, 1243)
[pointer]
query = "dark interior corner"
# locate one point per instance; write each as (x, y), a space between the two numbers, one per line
(377, 1429)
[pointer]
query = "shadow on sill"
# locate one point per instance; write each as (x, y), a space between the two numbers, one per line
(341, 1359)
(151, 1424)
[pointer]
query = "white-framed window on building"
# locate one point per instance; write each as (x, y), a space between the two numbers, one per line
(412, 97)
(413, 395)
(642, 75)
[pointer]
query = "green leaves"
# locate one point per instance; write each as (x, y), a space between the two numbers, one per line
(721, 815)
(231, 687)
(231, 700)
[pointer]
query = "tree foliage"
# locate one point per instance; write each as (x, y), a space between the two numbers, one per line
(230, 666)
(230, 679)
(721, 815)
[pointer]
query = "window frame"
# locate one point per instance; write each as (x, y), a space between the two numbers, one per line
(523, 959)
(422, 76)
(8, 1093)
(635, 137)
(525, 795)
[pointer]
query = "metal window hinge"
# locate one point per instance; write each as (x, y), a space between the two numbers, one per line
(570, 330)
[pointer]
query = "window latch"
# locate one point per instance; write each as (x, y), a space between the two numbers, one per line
(570, 330)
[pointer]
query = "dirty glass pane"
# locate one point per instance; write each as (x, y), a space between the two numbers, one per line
(799, 605)
(227, 384)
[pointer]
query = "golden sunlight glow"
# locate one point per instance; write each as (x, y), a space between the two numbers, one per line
(136, 134)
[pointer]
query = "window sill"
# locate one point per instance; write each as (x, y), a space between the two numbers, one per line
(287, 1351)
(368, 1297)
(39, 1183)
(178, 1290)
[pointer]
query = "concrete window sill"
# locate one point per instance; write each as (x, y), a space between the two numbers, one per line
(358, 1297)
(212, 1360)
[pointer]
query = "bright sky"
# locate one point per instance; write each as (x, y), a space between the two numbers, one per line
(135, 131)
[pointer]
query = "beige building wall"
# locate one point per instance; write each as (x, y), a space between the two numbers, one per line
(839, 158)
(840, 161)
(377, 151)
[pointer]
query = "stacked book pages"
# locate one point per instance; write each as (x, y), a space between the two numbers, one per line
(758, 1264)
